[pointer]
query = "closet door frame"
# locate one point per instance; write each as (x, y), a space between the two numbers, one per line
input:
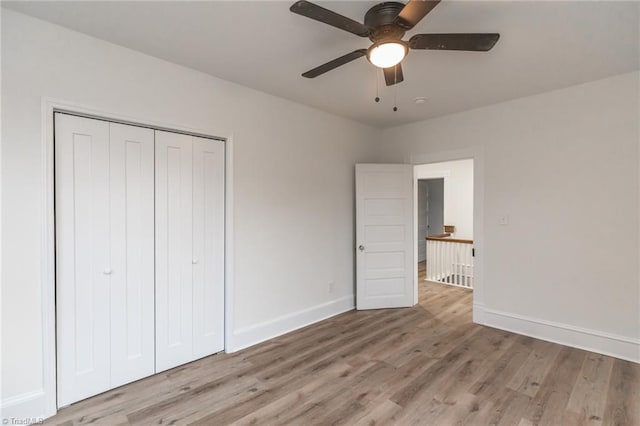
(47, 401)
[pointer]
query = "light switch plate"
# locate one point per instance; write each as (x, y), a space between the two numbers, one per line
(504, 220)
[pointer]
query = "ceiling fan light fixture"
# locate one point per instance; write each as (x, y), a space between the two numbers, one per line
(387, 54)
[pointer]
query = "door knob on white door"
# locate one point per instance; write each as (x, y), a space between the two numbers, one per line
(107, 271)
(361, 248)
(194, 261)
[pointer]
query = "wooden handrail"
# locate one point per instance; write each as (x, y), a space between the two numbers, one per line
(438, 236)
(447, 238)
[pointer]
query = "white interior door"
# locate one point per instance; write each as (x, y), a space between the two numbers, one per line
(174, 242)
(104, 258)
(82, 256)
(132, 253)
(208, 246)
(384, 236)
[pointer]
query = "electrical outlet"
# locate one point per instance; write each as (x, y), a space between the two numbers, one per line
(504, 220)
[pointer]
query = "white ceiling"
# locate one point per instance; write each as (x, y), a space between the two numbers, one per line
(544, 45)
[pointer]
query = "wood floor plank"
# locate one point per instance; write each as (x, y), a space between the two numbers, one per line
(426, 365)
(501, 372)
(623, 395)
(423, 388)
(465, 404)
(589, 395)
(552, 397)
(509, 411)
(527, 380)
(278, 411)
(383, 413)
(468, 373)
(351, 400)
(218, 393)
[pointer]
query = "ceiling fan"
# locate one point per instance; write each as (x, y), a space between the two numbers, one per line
(385, 24)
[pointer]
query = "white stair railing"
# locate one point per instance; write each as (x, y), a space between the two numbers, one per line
(450, 261)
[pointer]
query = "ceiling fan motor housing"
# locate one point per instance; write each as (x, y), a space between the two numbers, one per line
(381, 21)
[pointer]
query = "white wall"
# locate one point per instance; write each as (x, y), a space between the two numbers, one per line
(458, 192)
(289, 241)
(559, 165)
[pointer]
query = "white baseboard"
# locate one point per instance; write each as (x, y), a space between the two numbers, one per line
(478, 314)
(582, 338)
(255, 334)
(25, 408)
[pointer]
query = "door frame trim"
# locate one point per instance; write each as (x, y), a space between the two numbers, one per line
(477, 155)
(49, 106)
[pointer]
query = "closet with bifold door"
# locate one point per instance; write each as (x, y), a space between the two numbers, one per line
(139, 252)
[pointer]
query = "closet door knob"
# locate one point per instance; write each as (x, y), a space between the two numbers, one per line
(107, 271)
(194, 261)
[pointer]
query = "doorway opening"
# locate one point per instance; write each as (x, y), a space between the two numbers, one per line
(444, 226)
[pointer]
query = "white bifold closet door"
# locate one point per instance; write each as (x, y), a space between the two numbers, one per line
(189, 248)
(104, 174)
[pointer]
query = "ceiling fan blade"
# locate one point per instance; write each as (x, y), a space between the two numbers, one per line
(335, 63)
(470, 42)
(414, 11)
(329, 17)
(393, 75)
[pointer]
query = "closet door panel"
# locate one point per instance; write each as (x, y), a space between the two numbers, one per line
(82, 256)
(208, 246)
(132, 253)
(174, 278)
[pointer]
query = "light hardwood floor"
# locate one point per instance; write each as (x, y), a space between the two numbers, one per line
(426, 365)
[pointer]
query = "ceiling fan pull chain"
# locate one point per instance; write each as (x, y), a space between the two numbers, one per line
(395, 88)
(377, 99)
